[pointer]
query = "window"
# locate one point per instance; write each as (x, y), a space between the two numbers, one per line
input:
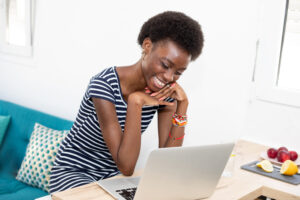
(277, 62)
(289, 70)
(15, 27)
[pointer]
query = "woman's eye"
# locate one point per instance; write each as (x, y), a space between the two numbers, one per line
(164, 65)
(178, 73)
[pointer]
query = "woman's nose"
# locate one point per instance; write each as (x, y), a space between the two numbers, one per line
(169, 76)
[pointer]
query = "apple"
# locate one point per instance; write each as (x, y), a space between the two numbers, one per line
(272, 152)
(293, 155)
(283, 148)
(283, 155)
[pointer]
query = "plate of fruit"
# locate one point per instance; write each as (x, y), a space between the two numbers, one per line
(278, 156)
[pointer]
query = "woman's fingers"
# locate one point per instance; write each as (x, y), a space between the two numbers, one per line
(147, 90)
(162, 94)
(161, 91)
(166, 93)
(166, 103)
(173, 91)
(151, 101)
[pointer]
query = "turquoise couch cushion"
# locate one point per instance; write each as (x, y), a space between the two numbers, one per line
(11, 189)
(12, 150)
(10, 185)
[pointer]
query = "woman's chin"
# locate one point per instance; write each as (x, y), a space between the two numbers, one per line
(153, 88)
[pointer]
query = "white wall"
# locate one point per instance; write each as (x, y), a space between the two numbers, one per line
(273, 125)
(74, 40)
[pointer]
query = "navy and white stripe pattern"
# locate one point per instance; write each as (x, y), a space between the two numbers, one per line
(83, 156)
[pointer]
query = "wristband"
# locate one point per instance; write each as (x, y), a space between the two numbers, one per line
(179, 138)
(179, 120)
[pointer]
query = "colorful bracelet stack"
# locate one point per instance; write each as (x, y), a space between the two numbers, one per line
(179, 120)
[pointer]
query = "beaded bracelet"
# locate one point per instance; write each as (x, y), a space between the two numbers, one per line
(179, 120)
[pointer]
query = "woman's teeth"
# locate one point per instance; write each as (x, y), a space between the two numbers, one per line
(159, 83)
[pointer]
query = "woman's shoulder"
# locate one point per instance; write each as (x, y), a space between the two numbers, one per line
(103, 85)
(106, 78)
(105, 73)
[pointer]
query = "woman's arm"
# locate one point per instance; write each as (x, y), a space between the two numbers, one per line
(124, 147)
(169, 135)
(165, 127)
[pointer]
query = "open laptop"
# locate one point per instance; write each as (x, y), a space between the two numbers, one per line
(174, 173)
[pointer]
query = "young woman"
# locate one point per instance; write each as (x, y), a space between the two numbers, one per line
(120, 103)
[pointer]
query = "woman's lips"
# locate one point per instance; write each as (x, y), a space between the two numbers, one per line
(158, 83)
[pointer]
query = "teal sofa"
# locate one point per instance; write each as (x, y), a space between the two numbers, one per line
(13, 147)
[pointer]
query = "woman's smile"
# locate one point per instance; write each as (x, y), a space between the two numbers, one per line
(158, 83)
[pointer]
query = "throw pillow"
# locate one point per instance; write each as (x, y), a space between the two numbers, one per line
(40, 155)
(4, 120)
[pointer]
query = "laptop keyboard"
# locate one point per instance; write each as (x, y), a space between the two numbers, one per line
(128, 193)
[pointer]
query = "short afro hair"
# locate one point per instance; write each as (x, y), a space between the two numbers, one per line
(176, 26)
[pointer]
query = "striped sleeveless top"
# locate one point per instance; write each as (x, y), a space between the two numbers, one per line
(84, 148)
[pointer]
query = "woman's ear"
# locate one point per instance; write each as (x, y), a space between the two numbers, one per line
(147, 45)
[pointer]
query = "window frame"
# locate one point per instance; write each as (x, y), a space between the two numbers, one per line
(270, 41)
(12, 49)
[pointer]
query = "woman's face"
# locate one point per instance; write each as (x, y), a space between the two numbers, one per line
(163, 63)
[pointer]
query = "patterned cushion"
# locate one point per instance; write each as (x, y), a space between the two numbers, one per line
(40, 155)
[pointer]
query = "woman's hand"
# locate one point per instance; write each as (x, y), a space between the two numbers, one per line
(174, 91)
(142, 98)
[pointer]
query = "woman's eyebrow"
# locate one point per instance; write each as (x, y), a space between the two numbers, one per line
(164, 58)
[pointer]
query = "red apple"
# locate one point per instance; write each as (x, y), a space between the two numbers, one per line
(293, 155)
(283, 148)
(272, 153)
(283, 156)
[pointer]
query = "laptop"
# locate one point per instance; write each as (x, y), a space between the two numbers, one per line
(174, 173)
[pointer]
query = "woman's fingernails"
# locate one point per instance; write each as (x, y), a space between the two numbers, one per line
(148, 91)
(161, 99)
(173, 84)
(153, 94)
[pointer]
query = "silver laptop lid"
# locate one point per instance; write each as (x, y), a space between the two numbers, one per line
(183, 172)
